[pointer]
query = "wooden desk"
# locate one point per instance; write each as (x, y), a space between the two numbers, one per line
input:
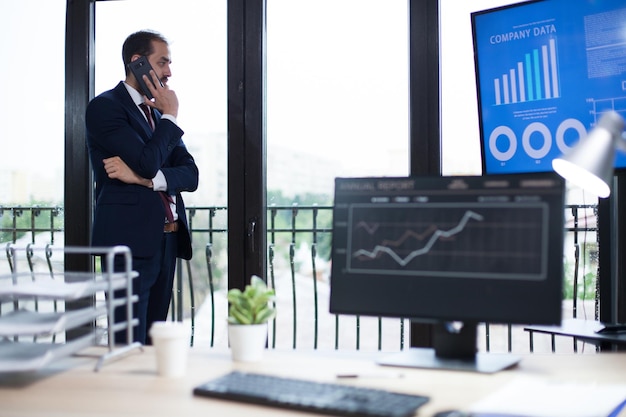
(130, 386)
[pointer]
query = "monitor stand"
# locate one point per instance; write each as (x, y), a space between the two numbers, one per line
(454, 349)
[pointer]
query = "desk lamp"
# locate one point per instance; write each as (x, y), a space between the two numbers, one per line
(589, 164)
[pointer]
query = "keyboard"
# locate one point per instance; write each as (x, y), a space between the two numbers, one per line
(305, 395)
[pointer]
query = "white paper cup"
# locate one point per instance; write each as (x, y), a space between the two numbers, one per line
(171, 343)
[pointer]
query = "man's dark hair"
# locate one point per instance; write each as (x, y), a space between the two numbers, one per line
(139, 43)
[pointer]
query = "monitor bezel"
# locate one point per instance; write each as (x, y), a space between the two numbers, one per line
(361, 294)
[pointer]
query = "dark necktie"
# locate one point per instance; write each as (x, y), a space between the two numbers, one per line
(148, 113)
(167, 199)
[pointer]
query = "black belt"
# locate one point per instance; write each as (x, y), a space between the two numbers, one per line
(170, 227)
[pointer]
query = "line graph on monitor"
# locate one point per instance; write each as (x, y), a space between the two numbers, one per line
(473, 239)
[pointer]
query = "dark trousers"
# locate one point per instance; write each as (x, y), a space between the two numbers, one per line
(153, 287)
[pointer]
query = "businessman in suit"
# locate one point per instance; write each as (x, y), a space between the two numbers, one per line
(141, 165)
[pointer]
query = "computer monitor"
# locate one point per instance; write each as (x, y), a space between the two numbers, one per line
(455, 251)
(546, 71)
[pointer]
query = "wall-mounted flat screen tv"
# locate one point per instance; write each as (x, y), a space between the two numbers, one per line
(546, 70)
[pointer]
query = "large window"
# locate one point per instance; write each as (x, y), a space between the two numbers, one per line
(337, 105)
(196, 31)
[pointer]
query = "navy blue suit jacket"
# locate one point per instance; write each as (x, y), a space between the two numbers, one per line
(129, 214)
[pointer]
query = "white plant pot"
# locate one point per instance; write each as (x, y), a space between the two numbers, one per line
(247, 341)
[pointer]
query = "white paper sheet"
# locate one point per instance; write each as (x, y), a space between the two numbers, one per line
(528, 397)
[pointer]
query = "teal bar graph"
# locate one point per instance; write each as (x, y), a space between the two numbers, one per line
(534, 77)
(529, 78)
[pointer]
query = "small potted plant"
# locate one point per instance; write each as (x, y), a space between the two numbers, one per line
(248, 314)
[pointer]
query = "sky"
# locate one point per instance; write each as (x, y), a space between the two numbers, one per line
(32, 74)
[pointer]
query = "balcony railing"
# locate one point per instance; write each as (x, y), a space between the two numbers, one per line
(299, 239)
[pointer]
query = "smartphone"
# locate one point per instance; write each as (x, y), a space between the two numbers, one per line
(139, 67)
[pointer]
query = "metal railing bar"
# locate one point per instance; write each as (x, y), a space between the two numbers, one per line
(209, 260)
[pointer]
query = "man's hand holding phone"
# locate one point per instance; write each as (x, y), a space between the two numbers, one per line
(163, 99)
(156, 92)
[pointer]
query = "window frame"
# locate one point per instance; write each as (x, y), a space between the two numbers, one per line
(246, 140)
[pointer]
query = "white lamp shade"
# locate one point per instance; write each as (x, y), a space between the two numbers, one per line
(589, 165)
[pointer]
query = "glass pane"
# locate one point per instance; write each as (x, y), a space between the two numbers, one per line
(32, 117)
(337, 105)
(337, 92)
(196, 31)
(459, 105)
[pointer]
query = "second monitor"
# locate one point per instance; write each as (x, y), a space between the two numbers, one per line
(455, 251)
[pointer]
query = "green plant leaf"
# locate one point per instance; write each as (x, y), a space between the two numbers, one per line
(240, 316)
(265, 315)
(252, 305)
